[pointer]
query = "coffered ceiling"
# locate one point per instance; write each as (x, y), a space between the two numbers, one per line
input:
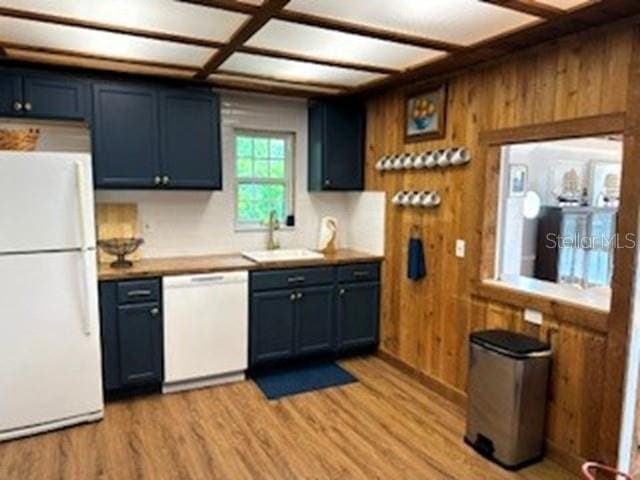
(299, 47)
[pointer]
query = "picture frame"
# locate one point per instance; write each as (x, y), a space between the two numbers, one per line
(518, 178)
(425, 114)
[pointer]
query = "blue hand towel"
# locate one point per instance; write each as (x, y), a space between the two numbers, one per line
(416, 268)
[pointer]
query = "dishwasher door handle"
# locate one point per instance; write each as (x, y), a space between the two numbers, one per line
(207, 278)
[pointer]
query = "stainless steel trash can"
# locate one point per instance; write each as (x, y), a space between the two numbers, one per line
(507, 396)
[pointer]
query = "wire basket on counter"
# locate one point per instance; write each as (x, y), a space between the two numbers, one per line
(23, 140)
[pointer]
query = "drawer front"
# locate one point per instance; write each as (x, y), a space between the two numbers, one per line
(136, 291)
(359, 272)
(292, 278)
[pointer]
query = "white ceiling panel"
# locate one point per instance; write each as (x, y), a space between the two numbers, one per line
(39, 34)
(566, 4)
(294, 70)
(332, 45)
(457, 21)
(167, 16)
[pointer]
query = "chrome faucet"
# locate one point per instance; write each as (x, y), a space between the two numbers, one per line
(273, 224)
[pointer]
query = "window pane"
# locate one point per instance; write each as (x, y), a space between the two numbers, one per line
(244, 146)
(259, 158)
(261, 169)
(272, 197)
(244, 167)
(246, 192)
(261, 147)
(256, 200)
(277, 169)
(246, 202)
(277, 148)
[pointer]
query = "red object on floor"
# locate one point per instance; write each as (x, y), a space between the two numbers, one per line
(591, 469)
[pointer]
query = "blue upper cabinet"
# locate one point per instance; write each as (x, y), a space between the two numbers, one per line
(147, 136)
(36, 94)
(10, 93)
(190, 139)
(56, 97)
(336, 146)
(125, 136)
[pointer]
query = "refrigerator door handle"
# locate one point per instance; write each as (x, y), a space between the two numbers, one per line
(84, 248)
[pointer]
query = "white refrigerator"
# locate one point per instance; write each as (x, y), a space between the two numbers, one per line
(50, 366)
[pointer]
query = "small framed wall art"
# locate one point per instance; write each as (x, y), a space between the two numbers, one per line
(425, 114)
(518, 180)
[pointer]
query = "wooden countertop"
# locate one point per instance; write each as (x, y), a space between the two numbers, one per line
(156, 267)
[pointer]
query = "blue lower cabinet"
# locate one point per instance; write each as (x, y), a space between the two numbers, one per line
(272, 326)
(314, 320)
(324, 318)
(358, 315)
(132, 338)
(140, 344)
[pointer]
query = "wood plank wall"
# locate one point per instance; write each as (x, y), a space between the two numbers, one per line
(425, 325)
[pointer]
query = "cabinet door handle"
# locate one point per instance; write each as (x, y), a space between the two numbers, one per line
(360, 273)
(17, 106)
(327, 182)
(157, 180)
(139, 293)
(165, 180)
(343, 291)
(299, 296)
(28, 106)
(295, 279)
(292, 297)
(154, 311)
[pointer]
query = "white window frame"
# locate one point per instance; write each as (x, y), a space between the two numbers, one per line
(288, 182)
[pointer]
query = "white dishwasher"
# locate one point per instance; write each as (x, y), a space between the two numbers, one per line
(206, 329)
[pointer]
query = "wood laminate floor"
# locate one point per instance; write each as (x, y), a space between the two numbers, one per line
(387, 426)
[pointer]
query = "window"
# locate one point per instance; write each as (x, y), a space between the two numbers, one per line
(264, 176)
(558, 206)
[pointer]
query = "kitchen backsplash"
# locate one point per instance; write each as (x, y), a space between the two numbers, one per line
(195, 222)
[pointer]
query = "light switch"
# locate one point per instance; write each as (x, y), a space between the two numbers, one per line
(533, 316)
(460, 248)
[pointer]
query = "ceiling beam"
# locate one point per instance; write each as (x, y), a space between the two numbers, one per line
(248, 86)
(531, 7)
(105, 27)
(337, 25)
(365, 67)
(89, 56)
(262, 15)
(230, 5)
(271, 78)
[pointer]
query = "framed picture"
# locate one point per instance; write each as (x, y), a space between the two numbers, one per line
(518, 180)
(426, 114)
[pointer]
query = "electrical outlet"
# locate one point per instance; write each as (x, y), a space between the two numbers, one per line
(460, 248)
(533, 316)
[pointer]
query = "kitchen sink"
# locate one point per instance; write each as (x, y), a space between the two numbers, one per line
(268, 256)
